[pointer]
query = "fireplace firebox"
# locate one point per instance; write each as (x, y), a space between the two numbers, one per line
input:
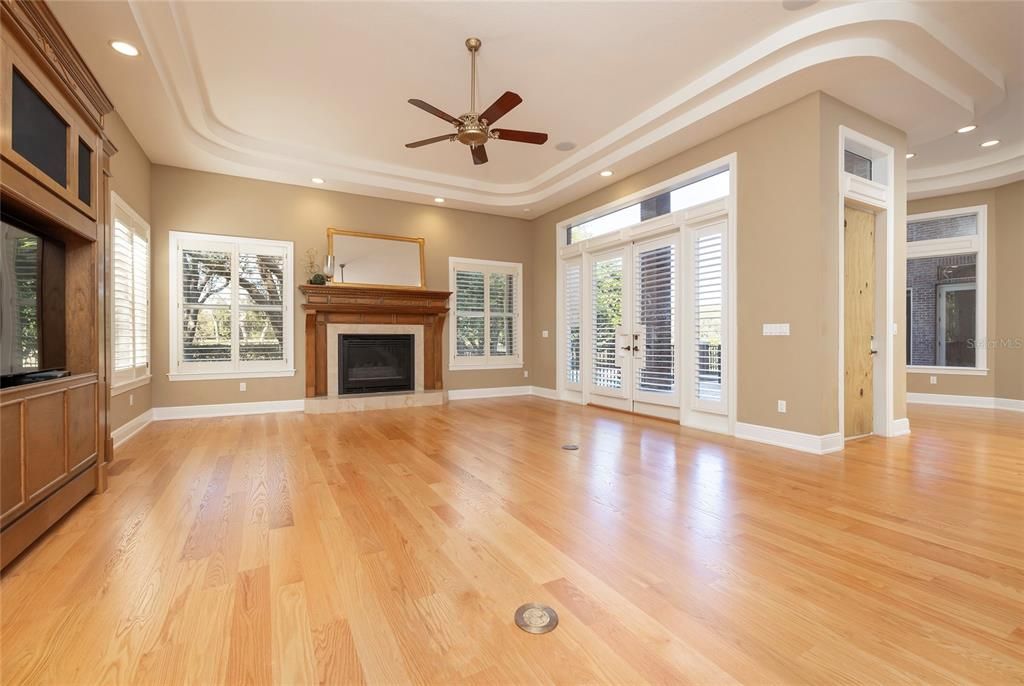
(375, 363)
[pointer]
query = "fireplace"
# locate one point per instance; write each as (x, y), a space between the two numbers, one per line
(375, 363)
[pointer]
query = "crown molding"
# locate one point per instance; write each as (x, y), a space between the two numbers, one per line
(849, 32)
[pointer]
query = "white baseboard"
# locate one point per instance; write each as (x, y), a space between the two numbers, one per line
(1010, 404)
(541, 392)
(497, 392)
(130, 428)
(966, 401)
(808, 443)
(900, 427)
(227, 409)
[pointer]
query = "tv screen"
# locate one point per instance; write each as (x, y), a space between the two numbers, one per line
(21, 261)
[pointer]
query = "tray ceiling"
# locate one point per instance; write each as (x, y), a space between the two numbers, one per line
(287, 91)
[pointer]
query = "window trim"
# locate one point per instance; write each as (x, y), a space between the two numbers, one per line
(486, 361)
(959, 245)
(126, 380)
(240, 370)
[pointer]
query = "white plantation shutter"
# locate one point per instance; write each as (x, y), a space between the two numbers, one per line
(261, 305)
(232, 301)
(130, 294)
(207, 298)
(469, 313)
(709, 319)
(140, 298)
(606, 292)
(487, 328)
(571, 300)
(655, 312)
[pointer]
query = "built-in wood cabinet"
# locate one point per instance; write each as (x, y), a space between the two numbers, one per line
(54, 177)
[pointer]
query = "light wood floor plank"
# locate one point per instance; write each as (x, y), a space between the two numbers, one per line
(393, 547)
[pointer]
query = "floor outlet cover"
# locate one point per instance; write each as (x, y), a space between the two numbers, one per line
(535, 618)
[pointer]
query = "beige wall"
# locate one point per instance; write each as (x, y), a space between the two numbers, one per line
(787, 232)
(130, 178)
(187, 200)
(1005, 311)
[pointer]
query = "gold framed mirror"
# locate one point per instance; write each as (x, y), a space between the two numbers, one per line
(375, 260)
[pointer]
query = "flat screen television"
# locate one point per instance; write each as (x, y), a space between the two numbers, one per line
(31, 301)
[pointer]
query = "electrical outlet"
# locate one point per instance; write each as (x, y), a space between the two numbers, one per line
(131, 399)
(544, 333)
(526, 373)
(782, 406)
(933, 380)
(241, 386)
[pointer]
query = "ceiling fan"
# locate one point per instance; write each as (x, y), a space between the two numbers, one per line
(473, 128)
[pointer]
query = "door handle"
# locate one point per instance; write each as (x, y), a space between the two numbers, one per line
(873, 352)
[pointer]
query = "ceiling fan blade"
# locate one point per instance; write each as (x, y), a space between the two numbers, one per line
(479, 154)
(426, 107)
(520, 136)
(501, 107)
(428, 141)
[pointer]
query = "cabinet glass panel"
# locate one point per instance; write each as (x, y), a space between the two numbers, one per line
(37, 132)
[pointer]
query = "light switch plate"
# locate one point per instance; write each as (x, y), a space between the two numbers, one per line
(241, 385)
(775, 329)
(544, 333)
(782, 406)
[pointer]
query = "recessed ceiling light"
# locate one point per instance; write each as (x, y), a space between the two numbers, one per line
(910, 155)
(439, 200)
(317, 180)
(565, 146)
(966, 129)
(527, 209)
(607, 172)
(989, 144)
(124, 48)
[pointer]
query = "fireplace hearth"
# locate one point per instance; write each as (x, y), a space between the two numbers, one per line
(375, 363)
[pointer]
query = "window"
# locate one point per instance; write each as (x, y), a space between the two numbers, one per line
(231, 304)
(709, 318)
(130, 296)
(946, 290)
(693, 193)
(487, 331)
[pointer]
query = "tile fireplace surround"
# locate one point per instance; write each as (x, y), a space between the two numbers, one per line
(334, 310)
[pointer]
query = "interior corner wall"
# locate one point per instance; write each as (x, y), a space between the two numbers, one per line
(782, 264)
(834, 114)
(131, 177)
(202, 202)
(1005, 335)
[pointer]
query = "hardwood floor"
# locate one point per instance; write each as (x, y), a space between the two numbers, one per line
(393, 547)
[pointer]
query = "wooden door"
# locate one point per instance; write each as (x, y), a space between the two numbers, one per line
(859, 325)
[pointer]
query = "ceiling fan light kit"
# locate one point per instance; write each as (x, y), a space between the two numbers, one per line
(473, 128)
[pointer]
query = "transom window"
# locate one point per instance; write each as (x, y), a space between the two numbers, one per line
(487, 328)
(231, 304)
(946, 264)
(693, 193)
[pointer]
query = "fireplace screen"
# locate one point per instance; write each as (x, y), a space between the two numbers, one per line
(375, 363)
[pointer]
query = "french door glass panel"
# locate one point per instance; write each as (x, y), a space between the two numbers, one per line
(607, 304)
(655, 281)
(572, 315)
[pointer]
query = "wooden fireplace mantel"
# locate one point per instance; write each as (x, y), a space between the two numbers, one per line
(368, 305)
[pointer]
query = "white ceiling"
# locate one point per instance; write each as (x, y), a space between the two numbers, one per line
(286, 91)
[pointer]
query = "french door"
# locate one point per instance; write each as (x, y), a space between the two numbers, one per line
(633, 327)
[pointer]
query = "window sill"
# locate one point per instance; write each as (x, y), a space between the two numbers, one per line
(479, 367)
(952, 371)
(212, 376)
(126, 386)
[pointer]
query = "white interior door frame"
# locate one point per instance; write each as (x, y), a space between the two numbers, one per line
(876, 195)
